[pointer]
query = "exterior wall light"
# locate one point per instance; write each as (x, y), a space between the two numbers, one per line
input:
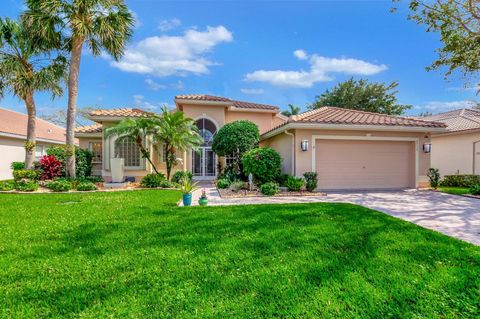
(304, 145)
(427, 147)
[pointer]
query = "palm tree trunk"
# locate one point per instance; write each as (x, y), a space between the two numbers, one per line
(31, 135)
(145, 153)
(74, 71)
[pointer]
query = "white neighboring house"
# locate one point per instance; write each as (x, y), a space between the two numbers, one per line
(13, 133)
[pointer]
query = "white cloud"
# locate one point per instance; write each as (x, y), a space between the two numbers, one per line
(179, 85)
(167, 25)
(320, 70)
(442, 106)
(252, 91)
(152, 85)
(139, 102)
(173, 55)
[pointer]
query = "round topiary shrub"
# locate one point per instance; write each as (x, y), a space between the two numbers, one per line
(179, 175)
(152, 180)
(61, 185)
(311, 181)
(294, 184)
(223, 183)
(86, 187)
(269, 189)
(264, 163)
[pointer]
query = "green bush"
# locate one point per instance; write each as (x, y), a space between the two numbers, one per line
(264, 163)
(223, 183)
(26, 185)
(94, 179)
(59, 185)
(179, 175)
(7, 185)
(236, 186)
(152, 180)
(294, 184)
(167, 184)
(434, 177)
(460, 180)
(25, 174)
(475, 189)
(86, 186)
(311, 180)
(83, 159)
(15, 166)
(282, 179)
(269, 189)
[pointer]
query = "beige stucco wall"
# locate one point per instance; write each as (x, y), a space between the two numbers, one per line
(303, 160)
(264, 121)
(454, 154)
(277, 121)
(282, 143)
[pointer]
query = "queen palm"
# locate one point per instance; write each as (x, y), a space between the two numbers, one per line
(293, 110)
(178, 133)
(26, 67)
(104, 25)
(138, 129)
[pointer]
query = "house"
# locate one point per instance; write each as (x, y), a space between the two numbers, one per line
(457, 151)
(13, 134)
(349, 149)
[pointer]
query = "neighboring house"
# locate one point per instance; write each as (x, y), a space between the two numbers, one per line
(13, 133)
(349, 149)
(457, 151)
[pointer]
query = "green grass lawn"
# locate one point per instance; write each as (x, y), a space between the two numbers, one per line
(454, 190)
(137, 255)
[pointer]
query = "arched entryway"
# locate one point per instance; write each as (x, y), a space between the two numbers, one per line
(204, 160)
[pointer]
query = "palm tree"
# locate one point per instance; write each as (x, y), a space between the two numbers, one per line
(293, 110)
(139, 129)
(177, 133)
(104, 25)
(26, 66)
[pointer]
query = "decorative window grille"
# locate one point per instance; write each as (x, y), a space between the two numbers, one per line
(128, 150)
(96, 149)
(229, 160)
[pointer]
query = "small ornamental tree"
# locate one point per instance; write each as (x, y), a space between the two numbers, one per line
(51, 167)
(234, 139)
(264, 163)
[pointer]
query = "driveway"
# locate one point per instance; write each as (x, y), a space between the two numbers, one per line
(451, 215)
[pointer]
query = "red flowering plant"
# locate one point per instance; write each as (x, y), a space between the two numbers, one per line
(51, 167)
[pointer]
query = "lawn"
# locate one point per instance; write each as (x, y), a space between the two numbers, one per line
(135, 254)
(455, 190)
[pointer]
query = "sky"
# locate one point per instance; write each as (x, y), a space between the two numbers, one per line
(273, 52)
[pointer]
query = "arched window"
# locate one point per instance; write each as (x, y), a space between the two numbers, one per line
(207, 129)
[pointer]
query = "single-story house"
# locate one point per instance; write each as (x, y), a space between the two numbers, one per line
(349, 149)
(457, 150)
(13, 134)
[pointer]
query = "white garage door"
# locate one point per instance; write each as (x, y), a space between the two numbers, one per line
(344, 164)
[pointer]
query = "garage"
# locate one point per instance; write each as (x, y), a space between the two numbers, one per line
(364, 164)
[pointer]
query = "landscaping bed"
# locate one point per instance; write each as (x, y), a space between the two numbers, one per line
(228, 193)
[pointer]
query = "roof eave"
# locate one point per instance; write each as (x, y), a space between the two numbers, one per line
(253, 110)
(85, 134)
(203, 102)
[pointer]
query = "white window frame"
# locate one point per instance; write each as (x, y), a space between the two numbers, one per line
(142, 160)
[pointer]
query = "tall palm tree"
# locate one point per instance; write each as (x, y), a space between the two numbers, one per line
(26, 66)
(104, 25)
(140, 129)
(293, 110)
(178, 133)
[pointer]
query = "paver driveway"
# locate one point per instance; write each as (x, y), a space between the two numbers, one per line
(452, 215)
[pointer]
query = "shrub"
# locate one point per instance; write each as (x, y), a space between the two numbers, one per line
(269, 189)
(167, 184)
(434, 177)
(294, 184)
(94, 179)
(282, 179)
(59, 185)
(475, 189)
(236, 186)
(26, 185)
(460, 180)
(179, 175)
(311, 180)
(83, 159)
(25, 174)
(7, 185)
(264, 163)
(51, 167)
(15, 166)
(223, 183)
(152, 180)
(86, 186)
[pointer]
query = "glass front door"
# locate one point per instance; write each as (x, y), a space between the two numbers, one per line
(204, 163)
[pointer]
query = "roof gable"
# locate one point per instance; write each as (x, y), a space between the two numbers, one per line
(459, 120)
(235, 103)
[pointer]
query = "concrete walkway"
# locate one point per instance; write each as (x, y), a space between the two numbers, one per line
(451, 215)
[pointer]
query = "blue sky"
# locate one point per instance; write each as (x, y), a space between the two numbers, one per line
(274, 52)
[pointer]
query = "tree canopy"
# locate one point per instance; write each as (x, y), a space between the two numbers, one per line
(363, 96)
(236, 137)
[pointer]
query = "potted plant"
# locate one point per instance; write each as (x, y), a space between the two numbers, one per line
(187, 187)
(203, 200)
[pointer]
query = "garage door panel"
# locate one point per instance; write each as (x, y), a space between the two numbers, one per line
(364, 164)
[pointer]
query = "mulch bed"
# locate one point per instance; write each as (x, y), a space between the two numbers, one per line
(228, 193)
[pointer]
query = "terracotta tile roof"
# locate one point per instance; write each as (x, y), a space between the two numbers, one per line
(239, 104)
(15, 123)
(125, 112)
(95, 128)
(458, 120)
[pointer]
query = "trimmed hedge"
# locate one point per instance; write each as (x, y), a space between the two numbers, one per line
(60, 185)
(311, 180)
(26, 185)
(269, 189)
(152, 180)
(25, 174)
(460, 180)
(86, 187)
(7, 185)
(295, 184)
(264, 163)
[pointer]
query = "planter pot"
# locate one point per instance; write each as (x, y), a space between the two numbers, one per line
(187, 199)
(203, 202)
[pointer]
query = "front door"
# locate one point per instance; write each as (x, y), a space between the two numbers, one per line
(204, 163)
